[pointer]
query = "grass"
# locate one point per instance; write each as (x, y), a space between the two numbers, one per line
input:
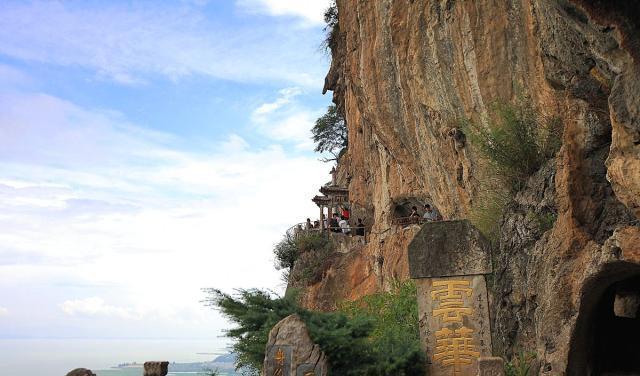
(520, 365)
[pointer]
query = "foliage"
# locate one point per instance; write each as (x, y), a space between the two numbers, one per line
(286, 252)
(377, 335)
(544, 221)
(291, 248)
(332, 27)
(254, 312)
(515, 141)
(330, 133)
(395, 337)
(488, 206)
(314, 259)
(312, 241)
(520, 365)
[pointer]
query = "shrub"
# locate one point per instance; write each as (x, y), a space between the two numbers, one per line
(520, 365)
(395, 337)
(286, 252)
(488, 206)
(377, 335)
(255, 312)
(515, 141)
(332, 27)
(311, 266)
(544, 221)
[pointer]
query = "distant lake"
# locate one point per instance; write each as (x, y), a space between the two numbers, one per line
(53, 357)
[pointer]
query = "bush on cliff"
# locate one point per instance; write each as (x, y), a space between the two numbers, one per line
(377, 335)
(515, 142)
(331, 29)
(308, 251)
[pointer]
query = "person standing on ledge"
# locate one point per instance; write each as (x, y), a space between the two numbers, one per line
(430, 214)
(344, 226)
(333, 223)
(345, 213)
(360, 228)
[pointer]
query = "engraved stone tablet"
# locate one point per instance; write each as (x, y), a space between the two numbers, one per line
(454, 323)
(278, 361)
(447, 261)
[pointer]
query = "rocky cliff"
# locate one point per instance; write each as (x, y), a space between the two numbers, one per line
(403, 71)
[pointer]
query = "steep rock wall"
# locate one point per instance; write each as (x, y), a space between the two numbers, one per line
(404, 71)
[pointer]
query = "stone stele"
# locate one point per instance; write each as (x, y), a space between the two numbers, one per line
(290, 351)
(449, 248)
(447, 261)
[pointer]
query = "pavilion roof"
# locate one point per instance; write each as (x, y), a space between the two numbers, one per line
(321, 199)
(334, 190)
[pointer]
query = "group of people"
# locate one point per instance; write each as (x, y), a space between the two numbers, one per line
(338, 222)
(430, 214)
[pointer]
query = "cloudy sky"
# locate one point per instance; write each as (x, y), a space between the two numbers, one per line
(147, 150)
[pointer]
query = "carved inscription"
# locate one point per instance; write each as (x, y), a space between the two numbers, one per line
(455, 346)
(279, 361)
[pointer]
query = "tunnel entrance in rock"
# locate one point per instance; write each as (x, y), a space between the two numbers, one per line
(606, 340)
(402, 206)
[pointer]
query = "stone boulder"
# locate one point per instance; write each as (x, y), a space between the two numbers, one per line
(291, 350)
(81, 372)
(156, 368)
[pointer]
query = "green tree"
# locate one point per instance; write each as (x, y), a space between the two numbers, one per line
(286, 252)
(377, 335)
(255, 312)
(330, 133)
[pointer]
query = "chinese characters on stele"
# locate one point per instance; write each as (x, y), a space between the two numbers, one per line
(455, 347)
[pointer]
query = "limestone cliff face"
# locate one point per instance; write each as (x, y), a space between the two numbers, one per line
(403, 71)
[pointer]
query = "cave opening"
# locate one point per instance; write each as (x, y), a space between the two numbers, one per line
(606, 340)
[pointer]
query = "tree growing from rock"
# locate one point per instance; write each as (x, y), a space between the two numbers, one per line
(330, 133)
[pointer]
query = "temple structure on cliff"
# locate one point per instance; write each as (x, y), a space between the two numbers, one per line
(333, 198)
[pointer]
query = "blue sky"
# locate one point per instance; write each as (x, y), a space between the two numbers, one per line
(147, 150)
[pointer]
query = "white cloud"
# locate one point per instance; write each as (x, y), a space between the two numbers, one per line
(132, 43)
(4, 311)
(286, 96)
(90, 201)
(311, 11)
(95, 306)
(286, 120)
